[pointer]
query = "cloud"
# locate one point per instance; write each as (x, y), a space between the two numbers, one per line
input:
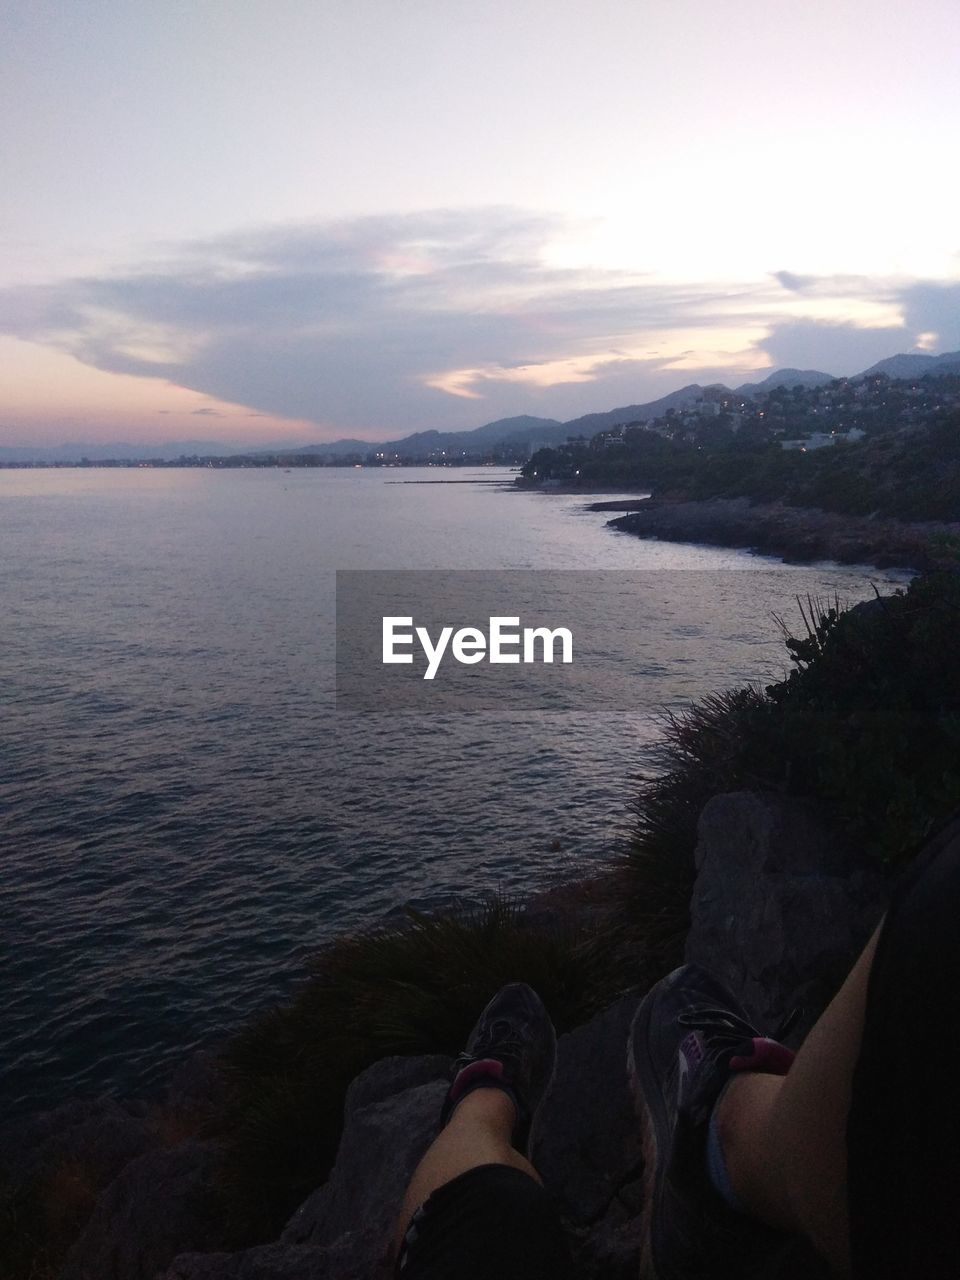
(934, 308)
(206, 413)
(834, 348)
(795, 283)
(448, 318)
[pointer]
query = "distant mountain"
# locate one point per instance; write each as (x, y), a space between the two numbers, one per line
(329, 449)
(520, 430)
(523, 430)
(915, 366)
(591, 423)
(787, 378)
(118, 451)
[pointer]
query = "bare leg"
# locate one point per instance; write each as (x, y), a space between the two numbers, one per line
(478, 1133)
(784, 1137)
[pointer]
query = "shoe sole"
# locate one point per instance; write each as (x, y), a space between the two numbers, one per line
(642, 1087)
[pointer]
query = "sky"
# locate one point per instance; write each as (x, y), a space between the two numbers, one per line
(286, 221)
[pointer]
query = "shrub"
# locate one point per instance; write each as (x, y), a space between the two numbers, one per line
(866, 726)
(407, 989)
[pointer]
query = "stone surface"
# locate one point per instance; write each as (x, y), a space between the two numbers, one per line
(390, 1076)
(196, 1085)
(204, 1266)
(390, 1117)
(381, 1145)
(611, 1249)
(586, 1145)
(779, 912)
(798, 534)
(156, 1208)
(99, 1134)
(343, 1230)
(266, 1262)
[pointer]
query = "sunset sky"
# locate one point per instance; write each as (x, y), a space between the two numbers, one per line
(291, 220)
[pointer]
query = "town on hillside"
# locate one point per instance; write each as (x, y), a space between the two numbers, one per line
(854, 446)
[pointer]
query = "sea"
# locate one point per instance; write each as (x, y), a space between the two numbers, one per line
(185, 817)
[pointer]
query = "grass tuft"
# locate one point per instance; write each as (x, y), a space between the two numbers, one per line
(409, 989)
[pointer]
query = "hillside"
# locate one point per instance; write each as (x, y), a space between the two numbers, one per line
(884, 447)
(521, 430)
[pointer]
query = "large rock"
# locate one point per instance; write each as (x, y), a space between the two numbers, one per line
(196, 1086)
(158, 1207)
(97, 1134)
(779, 911)
(391, 1076)
(266, 1262)
(344, 1229)
(391, 1116)
(587, 1144)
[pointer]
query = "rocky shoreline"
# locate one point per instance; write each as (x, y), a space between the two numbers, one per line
(779, 911)
(799, 535)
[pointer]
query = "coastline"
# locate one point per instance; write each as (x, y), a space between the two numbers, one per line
(799, 535)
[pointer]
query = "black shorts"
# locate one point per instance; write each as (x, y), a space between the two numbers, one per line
(903, 1133)
(492, 1223)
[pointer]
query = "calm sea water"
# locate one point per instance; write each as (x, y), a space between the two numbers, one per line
(183, 816)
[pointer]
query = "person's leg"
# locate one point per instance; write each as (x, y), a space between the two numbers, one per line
(475, 1205)
(856, 1147)
(479, 1132)
(784, 1137)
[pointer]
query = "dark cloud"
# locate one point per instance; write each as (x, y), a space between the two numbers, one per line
(343, 323)
(795, 283)
(831, 347)
(206, 413)
(934, 308)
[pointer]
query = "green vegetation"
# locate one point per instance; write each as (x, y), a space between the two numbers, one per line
(907, 470)
(866, 727)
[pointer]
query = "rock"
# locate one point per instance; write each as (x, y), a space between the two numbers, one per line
(196, 1086)
(204, 1266)
(779, 911)
(343, 1230)
(98, 1134)
(798, 534)
(586, 1145)
(390, 1076)
(266, 1262)
(156, 1208)
(611, 1249)
(390, 1118)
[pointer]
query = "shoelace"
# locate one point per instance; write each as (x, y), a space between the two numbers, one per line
(730, 1026)
(502, 1039)
(717, 1024)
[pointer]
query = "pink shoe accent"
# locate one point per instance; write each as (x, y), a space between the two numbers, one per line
(769, 1056)
(485, 1068)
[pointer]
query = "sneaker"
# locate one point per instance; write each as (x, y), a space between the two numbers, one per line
(513, 1047)
(688, 1037)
